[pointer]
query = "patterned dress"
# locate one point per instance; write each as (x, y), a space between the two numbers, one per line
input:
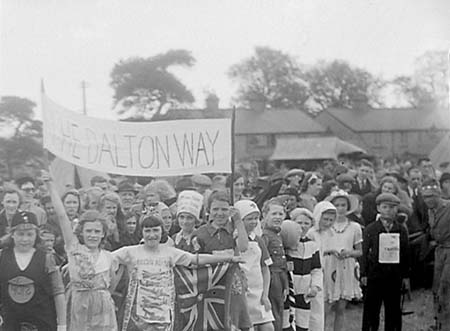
(90, 303)
(341, 277)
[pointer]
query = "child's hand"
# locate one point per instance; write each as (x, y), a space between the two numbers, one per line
(237, 259)
(235, 216)
(344, 254)
(266, 302)
(364, 281)
(313, 291)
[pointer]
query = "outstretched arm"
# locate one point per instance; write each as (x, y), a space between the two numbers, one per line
(201, 259)
(64, 222)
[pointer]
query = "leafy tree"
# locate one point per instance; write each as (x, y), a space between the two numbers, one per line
(338, 84)
(270, 76)
(428, 84)
(23, 143)
(143, 87)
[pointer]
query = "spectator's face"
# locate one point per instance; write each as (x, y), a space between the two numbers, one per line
(305, 223)
(427, 168)
(364, 172)
(48, 240)
(49, 209)
(251, 221)
(71, 205)
(166, 217)
(315, 188)
(415, 178)
(186, 222)
(347, 186)
(274, 216)
(239, 186)
(388, 188)
(127, 198)
(131, 224)
(326, 220)
(341, 205)
(387, 210)
(102, 185)
(220, 212)
(11, 203)
(152, 197)
(28, 190)
(431, 200)
(446, 186)
(110, 208)
(291, 203)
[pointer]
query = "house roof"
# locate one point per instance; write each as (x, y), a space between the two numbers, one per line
(254, 122)
(392, 119)
(312, 148)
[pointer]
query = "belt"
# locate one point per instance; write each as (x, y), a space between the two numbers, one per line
(86, 286)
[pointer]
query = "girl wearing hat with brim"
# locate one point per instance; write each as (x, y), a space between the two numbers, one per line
(31, 288)
(256, 269)
(341, 249)
(189, 206)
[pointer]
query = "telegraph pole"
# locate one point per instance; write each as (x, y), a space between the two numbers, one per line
(83, 91)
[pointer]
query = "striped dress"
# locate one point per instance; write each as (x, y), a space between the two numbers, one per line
(306, 273)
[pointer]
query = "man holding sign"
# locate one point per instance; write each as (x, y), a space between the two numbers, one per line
(384, 265)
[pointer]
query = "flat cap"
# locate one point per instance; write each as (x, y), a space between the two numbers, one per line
(24, 220)
(201, 180)
(387, 198)
(294, 172)
(126, 186)
(345, 178)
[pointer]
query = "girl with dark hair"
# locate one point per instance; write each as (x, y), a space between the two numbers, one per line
(31, 288)
(238, 182)
(91, 269)
(310, 189)
(151, 291)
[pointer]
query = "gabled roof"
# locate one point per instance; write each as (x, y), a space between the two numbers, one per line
(269, 121)
(392, 119)
(312, 148)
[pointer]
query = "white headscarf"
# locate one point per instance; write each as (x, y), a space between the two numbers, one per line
(319, 209)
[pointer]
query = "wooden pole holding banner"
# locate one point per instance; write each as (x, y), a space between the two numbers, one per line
(46, 158)
(233, 121)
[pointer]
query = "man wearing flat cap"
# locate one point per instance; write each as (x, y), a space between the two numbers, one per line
(384, 265)
(439, 219)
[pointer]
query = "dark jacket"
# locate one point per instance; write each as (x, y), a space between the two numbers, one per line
(370, 267)
(361, 190)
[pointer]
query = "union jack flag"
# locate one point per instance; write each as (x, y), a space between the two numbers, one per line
(203, 297)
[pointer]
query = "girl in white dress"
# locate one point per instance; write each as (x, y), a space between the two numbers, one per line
(256, 269)
(341, 248)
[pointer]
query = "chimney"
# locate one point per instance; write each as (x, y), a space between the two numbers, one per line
(360, 103)
(257, 105)
(212, 102)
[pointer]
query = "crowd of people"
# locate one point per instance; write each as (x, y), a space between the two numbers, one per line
(306, 243)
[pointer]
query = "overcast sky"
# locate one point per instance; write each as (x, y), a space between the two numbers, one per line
(67, 41)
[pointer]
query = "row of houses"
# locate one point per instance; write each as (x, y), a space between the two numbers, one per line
(263, 133)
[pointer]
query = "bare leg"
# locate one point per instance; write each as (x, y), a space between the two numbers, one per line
(264, 327)
(339, 317)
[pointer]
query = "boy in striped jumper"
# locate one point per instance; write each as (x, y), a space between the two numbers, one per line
(306, 274)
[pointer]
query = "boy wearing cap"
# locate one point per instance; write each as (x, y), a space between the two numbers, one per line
(439, 219)
(384, 265)
(31, 288)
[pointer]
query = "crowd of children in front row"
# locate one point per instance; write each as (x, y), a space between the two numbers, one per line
(292, 272)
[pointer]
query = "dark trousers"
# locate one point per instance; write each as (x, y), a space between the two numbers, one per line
(277, 286)
(382, 291)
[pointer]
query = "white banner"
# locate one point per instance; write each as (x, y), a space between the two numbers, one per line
(165, 148)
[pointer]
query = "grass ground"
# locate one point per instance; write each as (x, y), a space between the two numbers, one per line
(421, 304)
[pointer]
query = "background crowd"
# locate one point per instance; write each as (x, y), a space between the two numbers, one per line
(309, 240)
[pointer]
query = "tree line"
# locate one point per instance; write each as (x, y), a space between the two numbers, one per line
(145, 87)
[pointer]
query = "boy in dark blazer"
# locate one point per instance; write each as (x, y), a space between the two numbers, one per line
(384, 266)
